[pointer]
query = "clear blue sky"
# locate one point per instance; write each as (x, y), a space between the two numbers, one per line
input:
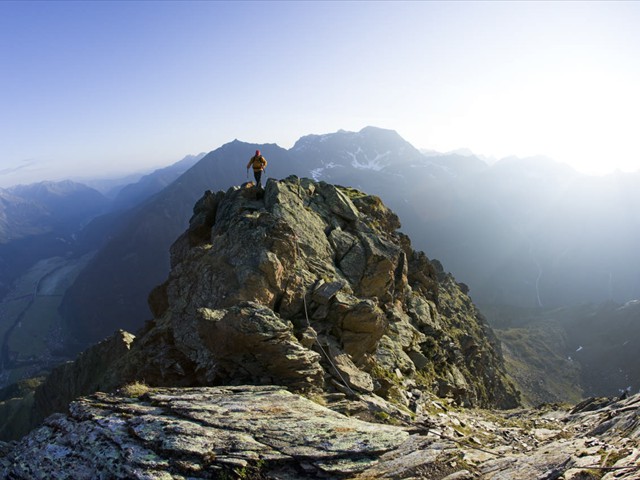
(93, 88)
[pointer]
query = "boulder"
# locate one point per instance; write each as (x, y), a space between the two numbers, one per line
(224, 432)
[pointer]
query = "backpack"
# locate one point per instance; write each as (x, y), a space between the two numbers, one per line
(259, 161)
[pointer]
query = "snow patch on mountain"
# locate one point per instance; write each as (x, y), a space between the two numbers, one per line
(316, 173)
(629, 304)
(361, 160)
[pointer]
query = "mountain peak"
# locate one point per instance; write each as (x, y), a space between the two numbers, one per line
(370, 129)
(372, 148)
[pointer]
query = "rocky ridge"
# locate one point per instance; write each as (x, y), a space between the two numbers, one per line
(305, 285)
(352, 303)
(310, 287)
(300, 336)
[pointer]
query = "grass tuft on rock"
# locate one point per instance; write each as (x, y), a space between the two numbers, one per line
(134, 389)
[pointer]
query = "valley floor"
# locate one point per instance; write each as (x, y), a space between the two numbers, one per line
(30, 326)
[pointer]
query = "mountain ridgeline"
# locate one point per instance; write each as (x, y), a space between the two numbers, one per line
(60, 207)
(526, 232)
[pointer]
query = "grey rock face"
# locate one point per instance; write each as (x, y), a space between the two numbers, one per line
(200, 433)
(255, 272)
(266, 432)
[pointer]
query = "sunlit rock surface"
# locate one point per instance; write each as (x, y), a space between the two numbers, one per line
(265, 432)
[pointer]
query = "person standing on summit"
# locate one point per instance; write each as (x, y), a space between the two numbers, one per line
(259, 163)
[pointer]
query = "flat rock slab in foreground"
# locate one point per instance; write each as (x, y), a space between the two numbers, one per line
(221, 432)
(260, 433)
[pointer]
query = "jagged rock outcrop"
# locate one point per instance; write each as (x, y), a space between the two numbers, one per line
(309, 286)
(598, 439)
(90, 372)
(265, 432)
(304, 285)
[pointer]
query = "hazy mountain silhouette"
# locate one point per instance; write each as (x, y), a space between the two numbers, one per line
(69, 204)
(135, 193)
(27, 210)
(533, 232)
(20, 217)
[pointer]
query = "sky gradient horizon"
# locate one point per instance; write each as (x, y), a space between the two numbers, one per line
(95, 88)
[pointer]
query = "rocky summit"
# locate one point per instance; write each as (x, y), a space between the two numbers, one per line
(308, 286)
(311, 286)
(299, 335)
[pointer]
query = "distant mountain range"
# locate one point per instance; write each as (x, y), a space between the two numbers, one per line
(68, 204)
(27, 210)
(46, 237)
(525, 232)
(38, 221)
(19, 217)
(529, 232)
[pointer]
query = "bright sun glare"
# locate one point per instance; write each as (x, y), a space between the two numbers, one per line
(565, 87)
(583, 118)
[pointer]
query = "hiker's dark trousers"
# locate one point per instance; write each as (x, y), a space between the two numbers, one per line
(258, 175)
